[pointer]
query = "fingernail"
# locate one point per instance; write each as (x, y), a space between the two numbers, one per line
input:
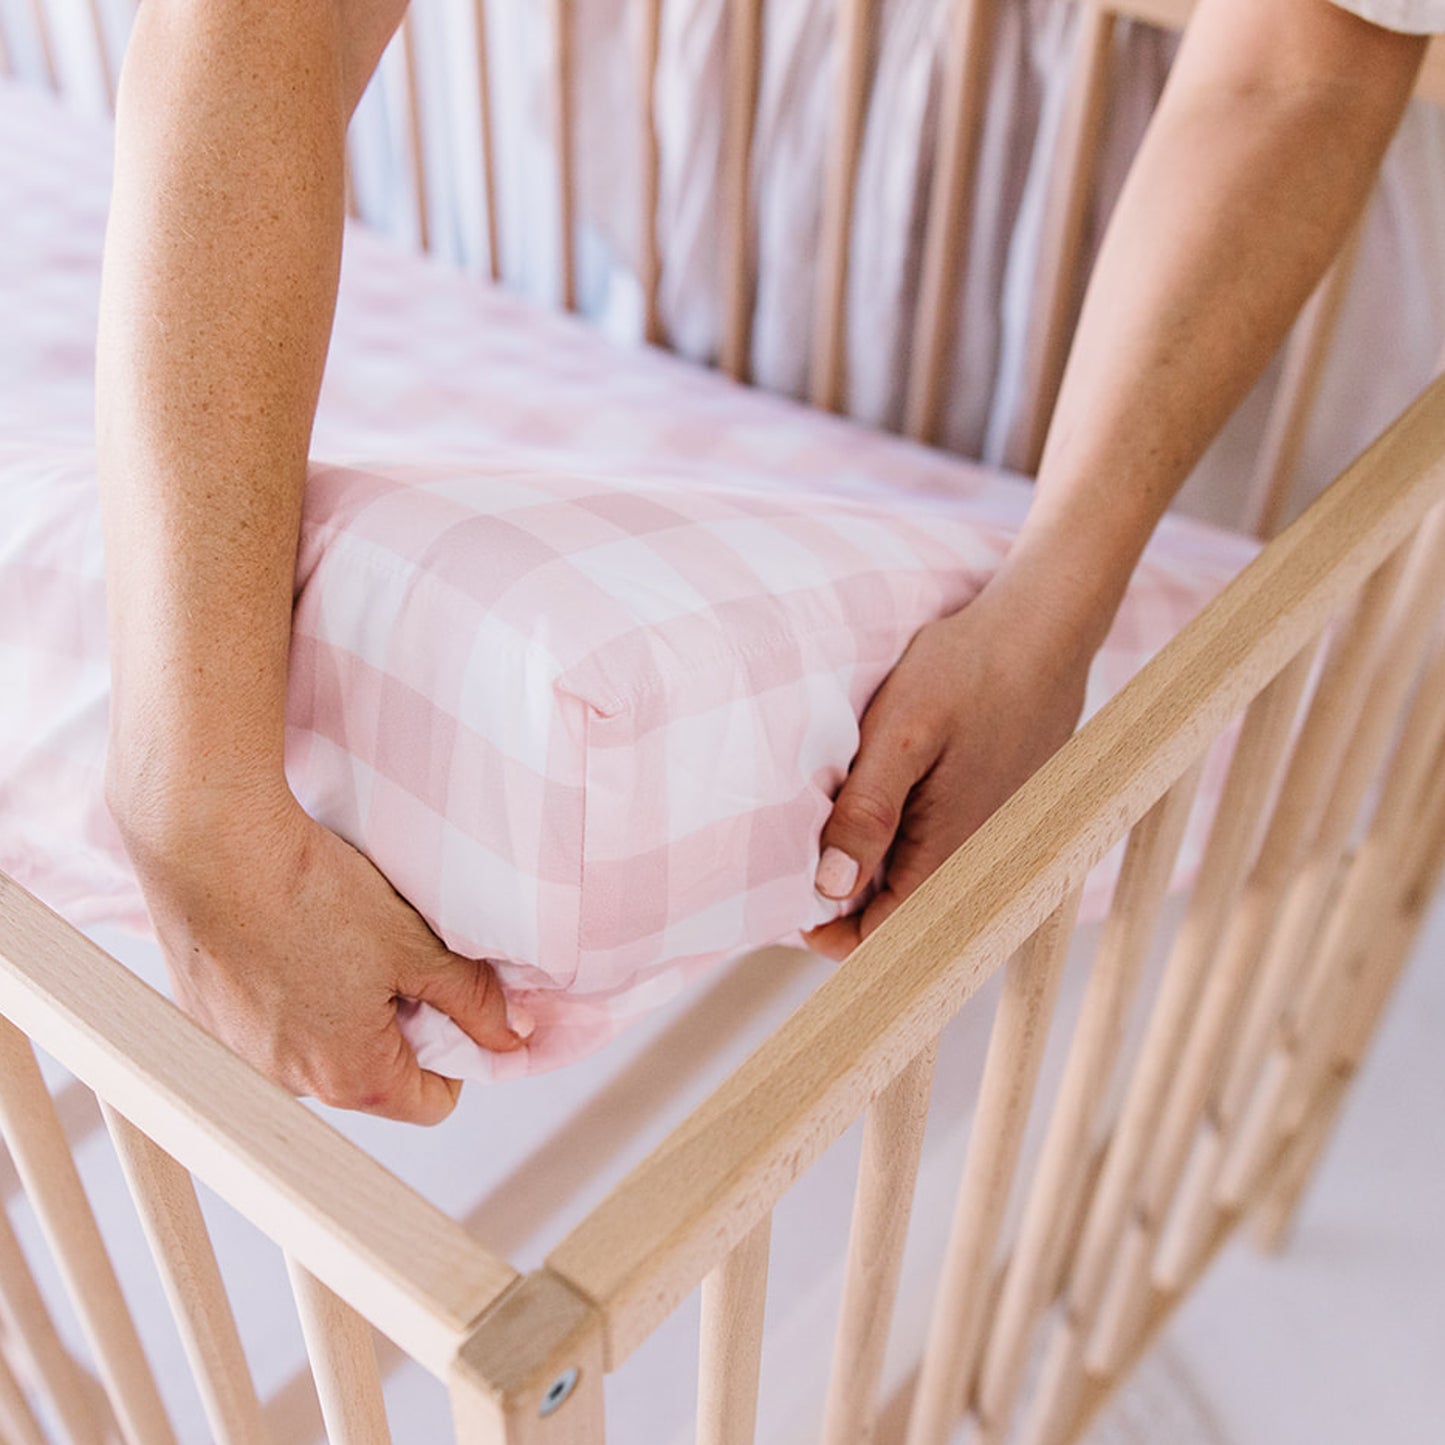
(519, 1020)
(837, 873)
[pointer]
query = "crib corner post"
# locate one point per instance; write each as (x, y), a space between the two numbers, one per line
(530, 1371)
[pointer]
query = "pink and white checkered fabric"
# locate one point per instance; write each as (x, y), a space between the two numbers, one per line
(581, 636)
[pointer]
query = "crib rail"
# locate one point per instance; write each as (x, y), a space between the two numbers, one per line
(1087, 1259)
(360, 1245)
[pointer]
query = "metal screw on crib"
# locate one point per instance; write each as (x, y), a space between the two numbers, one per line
(558, 1391)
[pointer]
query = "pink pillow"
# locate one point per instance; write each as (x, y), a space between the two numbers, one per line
(589, 728)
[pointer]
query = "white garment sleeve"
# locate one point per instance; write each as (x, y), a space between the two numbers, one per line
(1415, 17)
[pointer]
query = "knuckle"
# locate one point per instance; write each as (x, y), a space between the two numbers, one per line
(867, 812)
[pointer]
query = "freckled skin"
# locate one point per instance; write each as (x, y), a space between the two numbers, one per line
(1260, 156)
(220, 282)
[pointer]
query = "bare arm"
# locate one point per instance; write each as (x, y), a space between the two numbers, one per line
(220, 280)
(1261, 155)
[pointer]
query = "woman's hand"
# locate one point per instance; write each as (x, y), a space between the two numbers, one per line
(292, 948)
(975, 705)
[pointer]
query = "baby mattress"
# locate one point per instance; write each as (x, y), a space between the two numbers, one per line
(582, 634)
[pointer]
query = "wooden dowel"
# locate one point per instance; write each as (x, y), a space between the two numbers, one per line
(730, 1352)
(1266, 732)
(1279, 1207)
(1010, 1073)
(343, 1363)
(415, 136)
(1123, 1304)
(745, 58)
(102, 53)
(1093, 1053)
(1299, 384)
(488, 143)
(18, 1425)
(1059, 279)
(1317, 754)
(564, 139)
(28, 1323)
(1258, 753)
(830, 306)
(892, 1145)
(43, 1160)
(166, 1200)
(649, 257)
(38, 9)
(945, 246)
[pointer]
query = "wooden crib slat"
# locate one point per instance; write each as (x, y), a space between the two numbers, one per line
(38, 9)
(649, 1243)
(488, 142)
(1291, 942)
(1307, 902)
(1010, 1072)
(1066, 208)
(18, 1425)
(343, 1363)
(945, 246)
(415, 138)
(42, 1157)
(730, 1351)
(854, 26)
(1093, 1053)
(28, 1322)
(1265, 735)
(887, 1173)
(1304, 364)
(649, 258)
(102, 53)
(385, 1249)
(1316, 757)
(745, 59)
(166, 1200)
(564, 138)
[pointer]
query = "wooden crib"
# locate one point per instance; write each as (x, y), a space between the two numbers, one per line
(1323, 856)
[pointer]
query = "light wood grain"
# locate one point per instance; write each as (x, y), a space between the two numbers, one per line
(539, 1340)
(166, 1200)
(1093, 1052)
(42, 1157)
(343, 1363)
(730, 1346)
(651, 1241)
(490, 227)
(18, 1425)
(745, 58)
(564, 139)
(945, 244)
(1010, 1072)
(1053, 307)
(830, 306)
(649, 257)
(887, 1173)
(397, 1259)
(415, 137)
(30, 1329)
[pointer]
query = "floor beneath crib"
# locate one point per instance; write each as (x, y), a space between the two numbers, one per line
(1340, 1339)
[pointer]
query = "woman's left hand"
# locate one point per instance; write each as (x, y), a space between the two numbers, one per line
(979, 700)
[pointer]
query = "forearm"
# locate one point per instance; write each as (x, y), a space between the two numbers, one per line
(1261, 155)
(220, 279)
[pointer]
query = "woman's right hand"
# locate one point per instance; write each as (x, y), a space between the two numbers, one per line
(289, 945)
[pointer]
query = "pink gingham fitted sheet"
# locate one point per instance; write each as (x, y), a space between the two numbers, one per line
(582, 635)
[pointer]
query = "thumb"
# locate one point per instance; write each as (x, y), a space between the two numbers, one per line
(467, 991)
(867, 811)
